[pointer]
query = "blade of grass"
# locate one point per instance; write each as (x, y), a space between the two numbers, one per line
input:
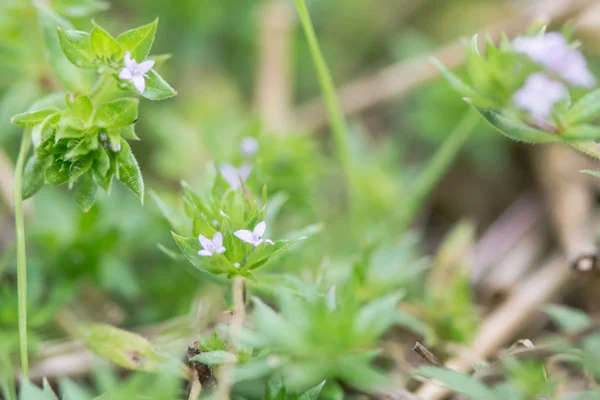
(334, 110)
(437, 166)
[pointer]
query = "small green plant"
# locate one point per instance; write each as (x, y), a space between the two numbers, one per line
(80, 136)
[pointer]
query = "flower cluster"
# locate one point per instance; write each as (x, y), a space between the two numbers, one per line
(81, 138)
(215, 246)
(562, 63)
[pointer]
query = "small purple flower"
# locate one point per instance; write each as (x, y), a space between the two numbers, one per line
(136, 73)
(254, 237)
(553, 52)
(249, 146)
(235, 176)
(539, 94)
(211, 247)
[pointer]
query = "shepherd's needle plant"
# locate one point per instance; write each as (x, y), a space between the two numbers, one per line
(80, 136)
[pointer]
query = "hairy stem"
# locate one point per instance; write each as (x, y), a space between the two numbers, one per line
(437, 166)
(334, 111)
(21, 254)
(237, 321)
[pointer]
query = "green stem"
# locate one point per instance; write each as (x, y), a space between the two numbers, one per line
(334, 111)
(21, 255)
(437, 166)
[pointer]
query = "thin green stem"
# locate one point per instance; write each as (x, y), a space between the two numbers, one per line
(334, 111)
(21, 255)
(437, 167)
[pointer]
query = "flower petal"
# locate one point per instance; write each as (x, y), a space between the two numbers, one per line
(218, 240)
(221, 250)
(259, 229)
(145, 66)
(244, 171)
(128, 63)
(204, 241)
(244, 235)
(269, 241)
(139, 83)
(125, 74)
(231, 175)
(205, 253)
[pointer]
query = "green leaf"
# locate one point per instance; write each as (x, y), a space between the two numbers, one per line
(43, 131)
(590, 172)
(139, 41)
(104, 45)
(462, 88)
(29, 391)
(122, 348)
(157, 88)
(216, 357)
(57, 173)
(72, 78)
(77, 47)
(458, 382)
(117, 113)
(85, 191)
(375, 318)
(313, 393)
(128, 132)
(131, 176)
(568, 319)
(102, 161)
(582, 132)
(79, 167)
(82, 107)
(33, 176)
(265, 252)
(33, 118)
(515, 129)
(585, 110)
(476, 66)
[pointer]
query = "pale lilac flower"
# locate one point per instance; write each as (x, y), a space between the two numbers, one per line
(235, 176)
(539, 94)
(211, 247)
(254, 237)
(249, 146)
(553, 52)
(136, 73)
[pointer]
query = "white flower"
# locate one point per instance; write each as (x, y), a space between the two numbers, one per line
(135, 72)
(235, 176)
(249, 146)
(210, 247)
(553, 52)
(539, 94)
(254, 237)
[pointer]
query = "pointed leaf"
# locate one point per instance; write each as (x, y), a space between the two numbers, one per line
(33, 118)
(117, 113)
(585, 110)
(33, 176)
(216, 357)
(139, 41)
(157, 88)
(312, 394)
(85, 191)
(77, 47)
(57, 173)
(131, 176)
(515, 129)
(458, 382)
(104, 45)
